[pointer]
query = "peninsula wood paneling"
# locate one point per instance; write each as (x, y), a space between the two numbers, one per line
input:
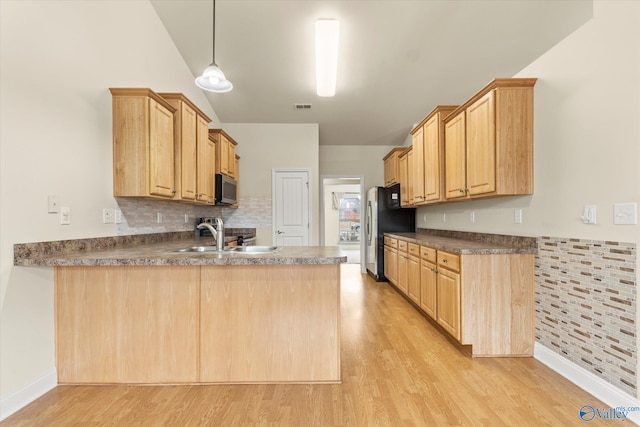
(270, 323)
(497, 307)
(135, 324)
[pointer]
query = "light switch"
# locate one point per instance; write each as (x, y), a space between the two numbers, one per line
(108, 215)
(52, 204)
(625, 213)
(589, 214)
(517, 216)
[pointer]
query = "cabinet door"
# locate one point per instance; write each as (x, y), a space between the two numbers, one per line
(481, 145)
(403, 174)
(224, 154)
(231, 161)
(206, 164)
(409, 179)
(391, 266)
(432, 159)
(417, 177)
(161, 166)
(188, 147)
(413, 283)
(455, 157)
(387, 172)
(428, 288)
(387, 262)
(448, 297)
(403, 270)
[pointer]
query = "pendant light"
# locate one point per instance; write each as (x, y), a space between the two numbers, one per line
(212, 78)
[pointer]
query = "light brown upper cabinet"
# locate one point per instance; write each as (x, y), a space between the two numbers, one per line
(143, 144)
(404, 173)
(195, 158)
(417, 175)
(392, 167)
(225, 153)
(489, 142)
(428, 153)
(206, 177)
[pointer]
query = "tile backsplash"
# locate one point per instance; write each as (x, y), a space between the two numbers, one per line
(140, 216)
(586, 304)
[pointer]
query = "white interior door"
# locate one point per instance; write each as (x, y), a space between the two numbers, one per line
(291, 207)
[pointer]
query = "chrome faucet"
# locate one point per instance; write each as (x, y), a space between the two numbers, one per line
(217, 233)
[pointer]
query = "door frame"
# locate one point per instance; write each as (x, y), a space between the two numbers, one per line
(273, 199)
(323, 179)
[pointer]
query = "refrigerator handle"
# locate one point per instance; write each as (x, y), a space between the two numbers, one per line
(369, 214)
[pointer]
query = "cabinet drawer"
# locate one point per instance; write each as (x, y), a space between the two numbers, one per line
(414, 250)
(428, 254)
(388, 241)
(402, 245)
(449, 261)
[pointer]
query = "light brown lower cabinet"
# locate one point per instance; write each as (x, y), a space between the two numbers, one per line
(482, 300)
(198, 324)
(413, 273)
(448, 301)
(391, 264)
(403, 268)
(428, 281)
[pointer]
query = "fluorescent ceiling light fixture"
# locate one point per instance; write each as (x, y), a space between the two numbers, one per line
(327, 36)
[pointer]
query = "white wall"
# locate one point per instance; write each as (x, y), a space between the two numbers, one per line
(263, 147)
(587, 137)
(354, 160)
(58, 59)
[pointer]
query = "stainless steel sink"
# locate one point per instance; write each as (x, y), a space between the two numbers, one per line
(256, 249)
(231, 249)
(209, 249)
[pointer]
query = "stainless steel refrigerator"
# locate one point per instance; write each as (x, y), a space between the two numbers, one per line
(384, 215)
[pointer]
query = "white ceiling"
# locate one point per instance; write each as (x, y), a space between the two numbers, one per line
(398, 59)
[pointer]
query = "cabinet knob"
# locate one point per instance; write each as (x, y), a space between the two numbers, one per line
(444, 260)
(461, 190)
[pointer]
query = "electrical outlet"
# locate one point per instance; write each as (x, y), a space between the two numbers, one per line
(625, 213)
(118, 214)
(65, 215)
(186, 218)
(108, 215)
(472, 216)
(159, 217)
(444, 217)
(517, 216)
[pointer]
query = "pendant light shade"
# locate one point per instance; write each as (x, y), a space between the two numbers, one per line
(212, 78)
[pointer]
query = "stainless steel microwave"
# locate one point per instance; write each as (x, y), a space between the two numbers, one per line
(225, 190)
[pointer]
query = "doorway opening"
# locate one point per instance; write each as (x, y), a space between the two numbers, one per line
(342, 213)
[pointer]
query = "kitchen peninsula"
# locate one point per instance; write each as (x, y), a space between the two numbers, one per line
(133, 310)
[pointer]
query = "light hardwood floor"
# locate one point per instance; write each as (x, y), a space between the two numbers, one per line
(397, 369)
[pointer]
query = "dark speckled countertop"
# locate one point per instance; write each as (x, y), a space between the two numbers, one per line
(160, 249)
(470, 243)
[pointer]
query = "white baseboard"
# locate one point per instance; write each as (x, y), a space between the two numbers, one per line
(28, 393)
(591, 383)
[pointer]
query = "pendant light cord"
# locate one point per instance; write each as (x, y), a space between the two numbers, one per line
(213, 56)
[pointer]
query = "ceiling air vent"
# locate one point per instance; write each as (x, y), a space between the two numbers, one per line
(302, 106)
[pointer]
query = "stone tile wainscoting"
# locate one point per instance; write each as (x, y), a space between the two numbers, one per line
(586, 306)
(140, 216)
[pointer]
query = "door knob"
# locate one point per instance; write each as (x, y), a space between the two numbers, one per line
(280, 232)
